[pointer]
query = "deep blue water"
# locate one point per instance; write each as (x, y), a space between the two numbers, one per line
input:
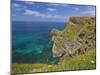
(31, 41)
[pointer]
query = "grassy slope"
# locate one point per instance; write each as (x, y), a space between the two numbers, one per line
(81, 62)
(71, 31)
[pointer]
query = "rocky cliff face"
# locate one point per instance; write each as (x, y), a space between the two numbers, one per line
(77, 37)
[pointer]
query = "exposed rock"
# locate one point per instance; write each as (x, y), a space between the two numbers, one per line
(77, 38)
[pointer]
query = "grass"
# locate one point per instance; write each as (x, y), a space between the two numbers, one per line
(75, 26)
(80, 62)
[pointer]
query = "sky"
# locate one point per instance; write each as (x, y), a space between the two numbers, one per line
(39, 11)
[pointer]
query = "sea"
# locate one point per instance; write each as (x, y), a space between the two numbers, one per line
(31, 41)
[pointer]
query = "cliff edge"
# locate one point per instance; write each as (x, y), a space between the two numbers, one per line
(76, 38)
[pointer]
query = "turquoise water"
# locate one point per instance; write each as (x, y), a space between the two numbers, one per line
(31, 41)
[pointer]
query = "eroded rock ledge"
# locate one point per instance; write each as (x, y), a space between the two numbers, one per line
(76, 38)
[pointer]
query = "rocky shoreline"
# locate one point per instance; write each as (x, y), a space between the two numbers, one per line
(78, 37)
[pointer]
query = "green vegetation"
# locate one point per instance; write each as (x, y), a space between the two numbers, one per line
(76, 38)
(81, 62)
(55, 33)
(76, 41)
(75, 26)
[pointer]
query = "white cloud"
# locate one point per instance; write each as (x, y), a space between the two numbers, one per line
(16, 5)
(43, 15)
(32, 13)
(64, 5)
(90, 11)
(51, 9)
(21, 8)
(29, 2)
(75, 8)
(52, 16)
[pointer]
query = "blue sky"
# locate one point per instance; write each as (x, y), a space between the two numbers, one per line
(36, 11)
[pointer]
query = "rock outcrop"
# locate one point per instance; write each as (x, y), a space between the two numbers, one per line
(77, 37)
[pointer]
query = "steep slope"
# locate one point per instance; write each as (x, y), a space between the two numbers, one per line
(77, 38)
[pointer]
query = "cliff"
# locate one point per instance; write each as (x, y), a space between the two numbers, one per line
(76, 38)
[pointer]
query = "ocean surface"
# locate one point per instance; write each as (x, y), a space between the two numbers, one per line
(31, 41)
